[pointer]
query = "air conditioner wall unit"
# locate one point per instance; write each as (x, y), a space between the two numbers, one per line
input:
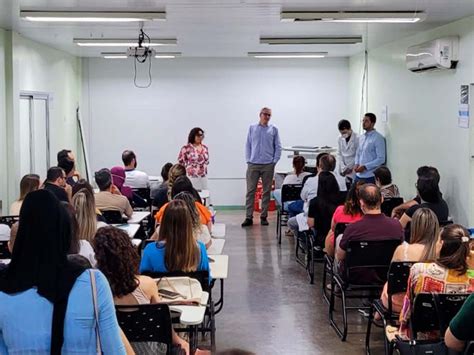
(438, 54)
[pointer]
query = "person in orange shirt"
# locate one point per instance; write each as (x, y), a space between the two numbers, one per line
(183, 184)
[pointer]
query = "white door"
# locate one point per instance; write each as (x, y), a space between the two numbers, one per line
(34, 134)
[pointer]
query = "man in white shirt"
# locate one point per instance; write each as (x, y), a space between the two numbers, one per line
(134, 178)
(347, 149)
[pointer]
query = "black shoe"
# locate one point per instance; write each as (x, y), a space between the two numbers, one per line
(247, 223)
(263, 222)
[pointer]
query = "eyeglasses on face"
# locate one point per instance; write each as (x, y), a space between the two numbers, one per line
(267, 114)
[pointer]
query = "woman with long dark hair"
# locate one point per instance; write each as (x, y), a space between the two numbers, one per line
(322, 207)
(46, 298)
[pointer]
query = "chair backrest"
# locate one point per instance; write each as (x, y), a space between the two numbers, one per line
(339, 229)
(389, 204)
(433, 312)
(112, 217)
(397, 279)
(291, 192)
(4, 251)
(367, 262)
(144, 193)
(202, 276)
(469, 350)
(146, 323)
(9, 220)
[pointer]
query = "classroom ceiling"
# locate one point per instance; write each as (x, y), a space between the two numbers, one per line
(228, 28)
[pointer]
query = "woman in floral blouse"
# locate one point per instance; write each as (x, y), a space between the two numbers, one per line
(448, 274)
(195, 157)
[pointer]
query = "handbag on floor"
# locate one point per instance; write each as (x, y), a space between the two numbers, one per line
(179, 290)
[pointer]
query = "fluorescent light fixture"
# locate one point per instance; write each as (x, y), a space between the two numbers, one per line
(311, 40)
(109, 42)
(92, 16)
(354, 16)
(169, 55)
(114, 56)
(287, 55)
(123, 55)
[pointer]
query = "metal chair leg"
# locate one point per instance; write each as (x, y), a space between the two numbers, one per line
(369, 327)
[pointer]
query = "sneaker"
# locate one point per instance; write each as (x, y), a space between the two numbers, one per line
(248, 222)
(263, 222)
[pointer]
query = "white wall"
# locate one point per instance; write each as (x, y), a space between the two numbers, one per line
(422, 127)
(36, 67)
(3, 121)
(222, 96)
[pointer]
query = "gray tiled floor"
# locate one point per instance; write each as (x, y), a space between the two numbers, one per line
(270, 307)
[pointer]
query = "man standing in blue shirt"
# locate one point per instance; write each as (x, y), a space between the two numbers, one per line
(262, 152)
(371, 151)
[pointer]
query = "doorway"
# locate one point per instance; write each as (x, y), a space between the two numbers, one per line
(34, 133)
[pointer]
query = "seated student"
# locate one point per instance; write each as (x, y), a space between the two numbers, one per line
(447, 274)
(28, 183)
(176, 171)
(422, 248)
(460, 329)
(428, 191)
(40, 279)
(201, 231)
(293, 179)
(84, 205)
(183, 184)
(67, 161)
(109, 198)
(422, 171)
(160, 195)
(136, 179)
(322, 207)
(327, 163)
(374, 225)
(349, 212)
(56, 184)
(176, 248)
(118, 179)
(383, 179)
(84, 184)
(119, 261)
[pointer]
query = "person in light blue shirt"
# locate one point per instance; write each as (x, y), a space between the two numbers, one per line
(262, 152)
(46, 300)
(177, 248)
(370, 152)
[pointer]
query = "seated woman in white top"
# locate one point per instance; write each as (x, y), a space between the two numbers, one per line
(297, 177)
(119, 261)
(28, 183)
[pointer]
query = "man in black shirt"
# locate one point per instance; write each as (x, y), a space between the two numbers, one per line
(56, 184)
